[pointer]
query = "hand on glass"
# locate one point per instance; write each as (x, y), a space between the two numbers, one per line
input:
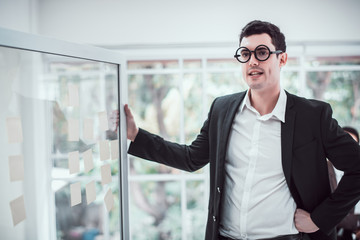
(303, 222)
(132, 129)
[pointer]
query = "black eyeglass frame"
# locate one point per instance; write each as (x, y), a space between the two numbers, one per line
(262, 60)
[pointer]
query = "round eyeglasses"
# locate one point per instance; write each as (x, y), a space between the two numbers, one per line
(261, 53)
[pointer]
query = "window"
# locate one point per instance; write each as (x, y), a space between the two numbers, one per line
(336, 80)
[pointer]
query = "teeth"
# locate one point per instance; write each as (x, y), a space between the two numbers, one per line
(255, 73)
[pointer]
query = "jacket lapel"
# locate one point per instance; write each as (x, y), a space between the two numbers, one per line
(287, 136)
(228, 120)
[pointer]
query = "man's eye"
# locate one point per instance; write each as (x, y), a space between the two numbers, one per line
(262, 53)
(245, 54)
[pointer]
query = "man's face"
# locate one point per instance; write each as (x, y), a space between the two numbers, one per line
(262, 75)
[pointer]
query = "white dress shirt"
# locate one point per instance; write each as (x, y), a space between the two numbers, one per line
(256, 202)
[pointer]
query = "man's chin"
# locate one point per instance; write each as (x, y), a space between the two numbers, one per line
(255, 86)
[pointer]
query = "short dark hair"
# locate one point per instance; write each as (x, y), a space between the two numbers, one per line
(259, 27)
(352, 130)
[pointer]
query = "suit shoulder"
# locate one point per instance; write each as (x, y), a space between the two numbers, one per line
(306, 103)
(221, 105)
(228, 98)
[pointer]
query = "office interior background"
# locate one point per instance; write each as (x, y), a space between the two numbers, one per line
(178, 58)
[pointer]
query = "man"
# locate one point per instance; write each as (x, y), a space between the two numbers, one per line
(267, 151)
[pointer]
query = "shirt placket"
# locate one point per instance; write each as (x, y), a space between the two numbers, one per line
(253, 156)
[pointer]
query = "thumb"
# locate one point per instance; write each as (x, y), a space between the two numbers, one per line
(128, 111)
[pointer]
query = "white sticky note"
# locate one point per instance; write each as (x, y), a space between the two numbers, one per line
(105, 174)
(88, 129)
(16, 168)
(109, 200)
(73, 130)
(114, 149)
(88, 160)
(74, 163)
(75, 193)
(90, 192)
(103, 121)
(104, 150)
(18, 212)
(73, 93)
(14, 129)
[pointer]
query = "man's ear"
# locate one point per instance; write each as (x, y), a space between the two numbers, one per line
(283, 59)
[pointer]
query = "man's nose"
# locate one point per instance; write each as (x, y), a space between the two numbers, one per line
(253, 61)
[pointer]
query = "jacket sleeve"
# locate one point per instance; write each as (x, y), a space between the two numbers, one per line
(185, 157)
(344, 153)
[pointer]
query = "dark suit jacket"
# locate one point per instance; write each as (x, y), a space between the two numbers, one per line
(349, 223)
(308, 136)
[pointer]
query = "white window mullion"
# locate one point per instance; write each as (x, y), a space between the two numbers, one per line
(204, 116)
(184, 229)
(184, 214)
(302, 73)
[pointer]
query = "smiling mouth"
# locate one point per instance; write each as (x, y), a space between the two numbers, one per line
(255, 73)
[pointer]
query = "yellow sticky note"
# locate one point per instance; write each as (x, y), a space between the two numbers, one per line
(73, 130)
(105, 174)
(104, 150)
(14, 129)
(73, 93)
(109, 200)
(75, 193)
(90, 192)
(74, 163)
(18, 212)
(16, 168)
(88, 160)
(88, 130)
(103, 121)
(114, 149)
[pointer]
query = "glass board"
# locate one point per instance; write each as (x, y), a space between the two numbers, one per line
(60, 168)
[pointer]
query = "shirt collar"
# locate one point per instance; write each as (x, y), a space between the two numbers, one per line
(278, 111)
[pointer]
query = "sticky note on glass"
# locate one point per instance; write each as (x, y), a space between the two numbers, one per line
(73, 95)
(74, 163)
(103, 121)
(14, 129)
(17, 207)
(105, 174)
(88, 160)
(75, 193)
(109, 200)
(88, 130)
(16, 168)
(104, 150)
(114, 149)
(90, 192)
(73, 130)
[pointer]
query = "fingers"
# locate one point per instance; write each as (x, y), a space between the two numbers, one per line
(132, 129)
(303, 221)
(299, 211)
(128, 111)
(298, 219)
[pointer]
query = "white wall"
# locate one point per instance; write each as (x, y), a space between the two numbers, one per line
(20, 15)
(143, 22)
